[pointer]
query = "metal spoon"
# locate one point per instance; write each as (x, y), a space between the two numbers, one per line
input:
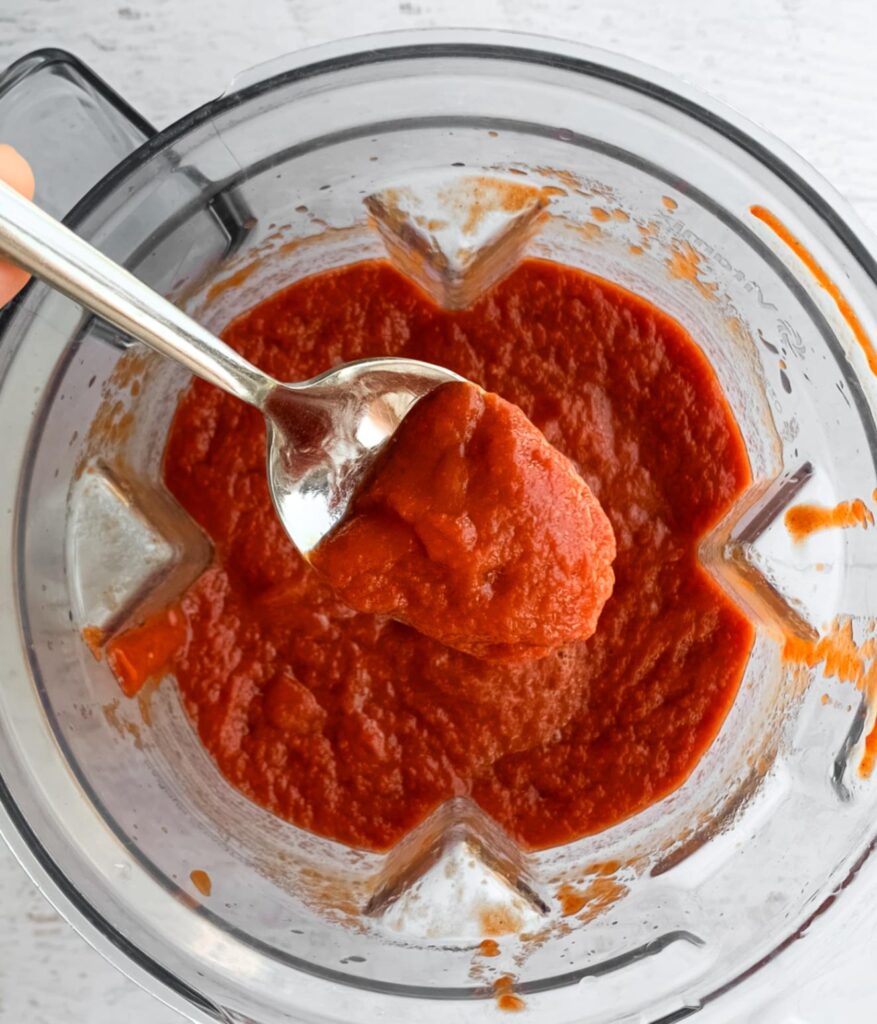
(322, 433)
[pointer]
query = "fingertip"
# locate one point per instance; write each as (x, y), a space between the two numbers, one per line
(16, 171)
(12, 280)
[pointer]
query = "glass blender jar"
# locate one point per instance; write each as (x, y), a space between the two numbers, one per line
(300, 166)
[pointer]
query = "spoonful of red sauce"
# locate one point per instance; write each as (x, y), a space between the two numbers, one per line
(474, 530)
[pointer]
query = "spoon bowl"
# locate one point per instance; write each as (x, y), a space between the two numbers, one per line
(323, 433)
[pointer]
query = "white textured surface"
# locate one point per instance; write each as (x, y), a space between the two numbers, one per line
(804, 69)
(455, 896)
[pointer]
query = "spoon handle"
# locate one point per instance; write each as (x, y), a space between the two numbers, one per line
(42, 245)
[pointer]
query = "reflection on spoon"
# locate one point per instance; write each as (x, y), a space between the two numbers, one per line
(322, 433)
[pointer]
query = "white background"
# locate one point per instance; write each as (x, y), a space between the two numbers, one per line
(803, 69)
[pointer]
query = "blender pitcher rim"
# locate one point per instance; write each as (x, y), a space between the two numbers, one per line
(580, 58)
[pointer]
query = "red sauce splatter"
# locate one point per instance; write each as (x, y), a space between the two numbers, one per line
(802, 520)
(148, 650)
(842, 657)
(683, 263)
(869, 755)
(94, 640)
(475, 531)
(499, 919)
(488, 947)
(822, 279)
(201, 880)
(848, 660)
(505, 996)
(356, 726)
(571, 900)
(598, 895)
(509, 1002)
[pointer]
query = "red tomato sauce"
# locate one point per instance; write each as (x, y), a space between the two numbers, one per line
(356, 726)
(473, 529)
